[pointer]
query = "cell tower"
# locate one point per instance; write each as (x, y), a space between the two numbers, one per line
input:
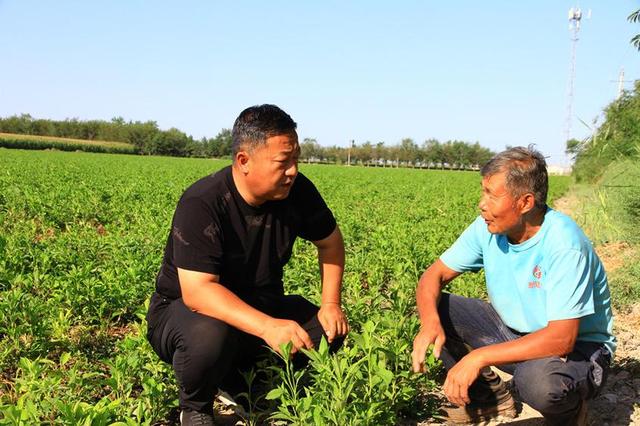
(575, 16)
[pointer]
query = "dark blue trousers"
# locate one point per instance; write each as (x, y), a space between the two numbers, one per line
(554, 386)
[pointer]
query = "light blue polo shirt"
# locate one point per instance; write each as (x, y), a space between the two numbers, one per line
(554, 275)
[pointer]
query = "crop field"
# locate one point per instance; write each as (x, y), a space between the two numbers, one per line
(81, 239)
(11, 140)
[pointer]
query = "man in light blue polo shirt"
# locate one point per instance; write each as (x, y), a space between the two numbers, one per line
(548, 321)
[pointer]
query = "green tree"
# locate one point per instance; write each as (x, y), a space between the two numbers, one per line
(635, 18)
(171, 142)
(574, 146)
(220, 145)
(617, 138)
(364, 152)
(310, 149)
(408, 150)
(141, 135)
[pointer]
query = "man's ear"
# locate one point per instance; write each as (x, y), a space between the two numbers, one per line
(242, 160)
(527, 202)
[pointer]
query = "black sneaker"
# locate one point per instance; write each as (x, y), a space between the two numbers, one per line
(195, 418)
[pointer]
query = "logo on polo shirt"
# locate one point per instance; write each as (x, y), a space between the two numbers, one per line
(537, 274)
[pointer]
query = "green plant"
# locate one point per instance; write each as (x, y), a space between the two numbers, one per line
(81, 240)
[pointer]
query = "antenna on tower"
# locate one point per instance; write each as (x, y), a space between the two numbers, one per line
(575, 17)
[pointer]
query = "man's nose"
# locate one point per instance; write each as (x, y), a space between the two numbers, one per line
(481, 204)
(292, 170)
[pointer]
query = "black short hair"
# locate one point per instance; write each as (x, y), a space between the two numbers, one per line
(257, 123)
(526, 171)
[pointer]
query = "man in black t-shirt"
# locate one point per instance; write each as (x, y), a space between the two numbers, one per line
(219, 294)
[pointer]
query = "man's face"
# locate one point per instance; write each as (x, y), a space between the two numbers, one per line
(273, 167)
(498, 207)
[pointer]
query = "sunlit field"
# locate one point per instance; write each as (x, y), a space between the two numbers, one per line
(81, 239)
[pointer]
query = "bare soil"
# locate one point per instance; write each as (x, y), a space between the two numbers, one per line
(615, 255)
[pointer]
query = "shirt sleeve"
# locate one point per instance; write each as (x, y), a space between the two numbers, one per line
(466, 253)
(196, 236)
(569, 286)
(315, 219)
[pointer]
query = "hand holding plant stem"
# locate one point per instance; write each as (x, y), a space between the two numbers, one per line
(280, 331)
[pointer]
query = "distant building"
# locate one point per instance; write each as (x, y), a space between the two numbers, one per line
(559, 170)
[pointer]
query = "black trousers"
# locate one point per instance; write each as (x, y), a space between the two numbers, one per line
(208, 354)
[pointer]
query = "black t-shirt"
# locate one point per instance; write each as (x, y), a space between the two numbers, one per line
(215, 231)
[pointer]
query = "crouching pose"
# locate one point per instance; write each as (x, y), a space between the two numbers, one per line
(219, 295)
(548, 321)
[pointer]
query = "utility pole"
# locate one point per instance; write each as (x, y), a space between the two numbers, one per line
(620, 83)
(351, 145)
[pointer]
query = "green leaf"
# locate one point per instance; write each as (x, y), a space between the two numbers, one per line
(274, 394)
(64, 358)
(324, 346)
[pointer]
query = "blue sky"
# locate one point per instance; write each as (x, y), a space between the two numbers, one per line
(494, 72)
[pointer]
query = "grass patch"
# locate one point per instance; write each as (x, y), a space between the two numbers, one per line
(609, 211)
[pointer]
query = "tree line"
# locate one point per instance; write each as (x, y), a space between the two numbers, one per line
(148, 139)
(430, 154)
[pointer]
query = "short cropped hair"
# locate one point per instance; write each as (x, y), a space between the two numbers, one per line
(257, 123)
(526, 171)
